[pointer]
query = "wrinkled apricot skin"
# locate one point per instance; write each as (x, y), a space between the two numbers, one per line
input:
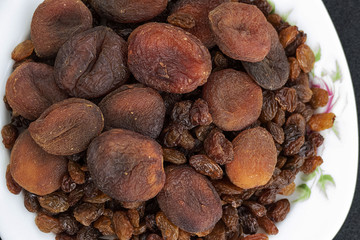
(54, 21)
(67, 127)
(129, 11)
(234, 100)
(138, 109)
(255, 158)
(92, 63)
(168, 58)
(240, 31)
(31, 89)
(34, 169)
(272, 72)
(189, 200)
(126, 165)
(192, 15)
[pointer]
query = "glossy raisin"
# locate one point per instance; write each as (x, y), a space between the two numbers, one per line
(104, 225)
(206, 166)
(287, 99)
(267, 196)
(305, 57)
(69, 224)
(288, 35)
(298, 120)
(319, 98)
(311, 164)
(67, 184)
(247, 221)
(30, 202)
(321, 121)
(224, 186)
(86, 213)
(316, 139)
(277, 22)
(174, 156)
(255, 208)
(230, 217)
(278, 210)
(123, 228)
(168, 58)
(294, 68)
(218, 148)
(168, 229)
(55, 202)
(230, 21)
(47, 223)
(218, 232)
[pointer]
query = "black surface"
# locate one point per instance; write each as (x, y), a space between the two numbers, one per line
(346, 17)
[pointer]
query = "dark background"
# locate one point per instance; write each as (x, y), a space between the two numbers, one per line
(346, 17)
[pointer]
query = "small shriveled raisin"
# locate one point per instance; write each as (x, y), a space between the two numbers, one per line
(47, 223)
(87, 233)
(288, 35)
(269, 107)
(12, 186)
(279, 118)
(287, 99)
(278, 210)
(276, 131)
(199, 113)
(294, 68)
(181, 113)
(217, 233)
(206, 166)
(218, 148)
(230, 217)
(319, 98)
(30, 202)
(255, 208)
(86, 213)
(322, 121)
(69, 224)
(67, 184)
(123, 228)
(268, 225)
(9, 134)
(247, 221)
(75, 172)
(288, 190)
(104, 225)
(174, 156)
(168, 229)
(305, 57)
(311, 164)
(267, 196)
(55, 202)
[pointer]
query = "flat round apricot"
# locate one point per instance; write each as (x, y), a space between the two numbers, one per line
(126, 165)
(240, 31)
(92, 63)
(54, 21)
(129, 11)
(31, 89)
(189, 200)
(192, 15)
(34, 169)
(168, 58)
(234, 99)
(67, 127)
(139, 109)
(255, 158)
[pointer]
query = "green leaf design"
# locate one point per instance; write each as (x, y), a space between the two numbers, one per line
(337, 75)
(324, 180)
(335, 130)
(304, 192)
(272, 5)
(286, 15)
(317, 54)
(308, 177)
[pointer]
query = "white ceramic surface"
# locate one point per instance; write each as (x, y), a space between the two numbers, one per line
(319, 217)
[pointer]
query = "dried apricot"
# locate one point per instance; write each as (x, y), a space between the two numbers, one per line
(34, 169)
(92, 63)
(168, 58)
(67, 127)
(54, 21)
(138, 109)
(126, 165)
(245, 23)
(189, 200)
(129, 11)
(273, 71)
(234, 100)
(31, 89)
(255, 158)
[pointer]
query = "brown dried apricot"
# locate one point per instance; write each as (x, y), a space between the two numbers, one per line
(22, 50)
(129, 11)
(319, 98)
(54, 21)
(321, 121)
(92, 63)
(245, 23)
(189, 200)
(138, 109)
(31, 89)
(67, 127)
(34, 169)
(126, 165)
(273, 71)
(168, 58)
(255, 158)
(234, 100)
(193, 17)
(305, 57)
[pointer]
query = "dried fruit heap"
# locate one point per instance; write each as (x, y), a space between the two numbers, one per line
(220, 124)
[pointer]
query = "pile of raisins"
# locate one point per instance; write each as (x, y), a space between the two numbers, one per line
(150, 120)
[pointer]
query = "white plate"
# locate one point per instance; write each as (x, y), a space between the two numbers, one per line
(319, 217)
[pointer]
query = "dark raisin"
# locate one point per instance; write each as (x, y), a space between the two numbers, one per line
(86, 213)
(218, 148)
(67, 184)
(279, 210)
(206, 166)
(181, 113)
(311, 164)
(268, 225)
(87, 233)
(199, 113)
(55, 202)
(47, 223)
(247, 221)
(12, 186)
(294, 162)
(267, 196)
(255, 208)
(287, 99)
(276, 131)
(69, 224)
(9, 134)
(30, 202)
(316, 138)
(269, 107)
(230, 217)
